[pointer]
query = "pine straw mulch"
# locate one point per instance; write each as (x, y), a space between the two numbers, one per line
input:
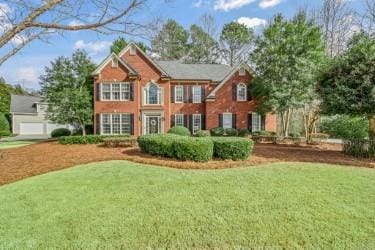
(19, 163)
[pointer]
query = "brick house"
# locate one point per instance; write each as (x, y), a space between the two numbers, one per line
(137, 95)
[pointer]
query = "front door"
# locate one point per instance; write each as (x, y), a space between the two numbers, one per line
(153, 124)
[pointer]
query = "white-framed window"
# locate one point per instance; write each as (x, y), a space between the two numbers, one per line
(114, 63)
(242, 71)
(179, 94)
(115, 124)
(133, 50)
(197, 123)
(256, 122)
(197, 94)
(227, 120)
(115, 91)
(241, 92)
(153, 94)
(179, 120)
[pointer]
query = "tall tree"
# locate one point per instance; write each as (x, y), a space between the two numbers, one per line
(67, 88)
(286, 59)
(202, 46)
(348, 85)
(120, 43)
(26, 21)
(171, 43)
(368, 17)
(233, 38)
(6, 90)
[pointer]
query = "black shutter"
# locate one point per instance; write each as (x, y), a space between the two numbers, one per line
(190, 92)
(250, 122)
(234, 121)
(263, 122)
(172, 121)
(250, 92)
(186, 94)
(97, 124)
(234, 92)
(186, 121)
(172, 94)
(190, 123)
(203, 94)
(220, 120)
(131, 91)
(98, 92)
(203, 122)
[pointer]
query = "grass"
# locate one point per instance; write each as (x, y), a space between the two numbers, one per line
(14, 144)
(121, 204)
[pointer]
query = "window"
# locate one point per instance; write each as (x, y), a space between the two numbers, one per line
(116, 124)
(241, 92)
(133, 50)
(197, 123)
(152, 94)
(242, 71)
(197, 94)
(256, 124)
(227, 120)
(179, 120)
(115, 91)
(178, 94)
(114, 63)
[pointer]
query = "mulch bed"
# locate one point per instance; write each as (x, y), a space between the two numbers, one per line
(19, 163)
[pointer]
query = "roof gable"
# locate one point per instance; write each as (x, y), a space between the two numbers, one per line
(108, 60)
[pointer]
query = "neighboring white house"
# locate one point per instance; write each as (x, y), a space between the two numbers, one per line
(29, 116)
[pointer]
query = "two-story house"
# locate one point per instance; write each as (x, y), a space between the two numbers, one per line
(137, 95)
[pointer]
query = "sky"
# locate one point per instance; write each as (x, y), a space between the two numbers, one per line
(26, 67)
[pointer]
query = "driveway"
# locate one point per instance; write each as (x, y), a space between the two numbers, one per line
(26, 138)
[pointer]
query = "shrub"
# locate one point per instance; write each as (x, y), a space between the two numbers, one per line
(242, 132)
(88, 139)
(345, 127)
(264, 133)
(231, 132)
(294, 135)
(360, 148)
(119, 141)
(158, 144)
(194, 149)
(233, 148)
(202, 133)
(60, 132)
(179, 130)
(217, 131)
(4, 126)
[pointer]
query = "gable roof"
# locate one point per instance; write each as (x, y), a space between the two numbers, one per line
(107, 60)
(182, 71)
(24, 104)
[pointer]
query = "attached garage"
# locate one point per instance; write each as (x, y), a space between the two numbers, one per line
(31, 128)
(52, 126)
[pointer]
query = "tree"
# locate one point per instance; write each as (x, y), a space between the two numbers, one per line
(202, 46)
(6, 90)
(67, 88)
(368, 18)
(4, 126)
(233, 38)
(287, 58)
(348, 85)
(171, 43)
(26, 21)
(120, 43)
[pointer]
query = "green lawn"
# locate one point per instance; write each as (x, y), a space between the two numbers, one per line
(122, 204)
(14, 144)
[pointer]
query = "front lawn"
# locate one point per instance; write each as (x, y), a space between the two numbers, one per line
(14, 144)
(123, 204)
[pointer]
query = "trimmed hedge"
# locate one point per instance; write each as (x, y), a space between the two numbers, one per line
(179, 130)
(233, 148)
(242, 132)
(230, 132)
(202, 133)
(4, 126)
(179, 147)
(88, 139)
(60, 132)
(217, 131)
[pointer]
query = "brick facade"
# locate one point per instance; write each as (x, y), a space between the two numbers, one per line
(148, 71)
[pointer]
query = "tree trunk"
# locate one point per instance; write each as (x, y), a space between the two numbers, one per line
(83, 129)
(371, 131)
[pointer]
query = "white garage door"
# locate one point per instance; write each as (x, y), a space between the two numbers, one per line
(31, 128)
(52, 126)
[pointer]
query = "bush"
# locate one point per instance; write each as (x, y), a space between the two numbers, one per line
(88, 139)
(202, 133)
(345, 127)
(60, 132)
(243, 132)
(294, 135)
(360, 148)
(179, 130)
(217, 131)
(233, 148)
(4, 126)
(119, 141)
(231, 132)
(264, 133)
(174, 146)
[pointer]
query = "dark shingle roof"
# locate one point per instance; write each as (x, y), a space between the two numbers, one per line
(179, 70)
(23, 103)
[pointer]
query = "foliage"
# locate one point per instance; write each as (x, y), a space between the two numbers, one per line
(243, 132)
(202, 46)
(179, 130)
(202, 133)
(264, 133)
(230, 132)
(348, 85)
(294, 135)
(359, 148)
(120, 43)
(171, 43)
(4, 126)
(158, 144)
(320, 136)
(234, 37)
(87, 139)
(345, 126)
(232, 148)
(287, 58)
(123, 141)
(67, 88)
(217, 131)
(6, 90)
(60, 132)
